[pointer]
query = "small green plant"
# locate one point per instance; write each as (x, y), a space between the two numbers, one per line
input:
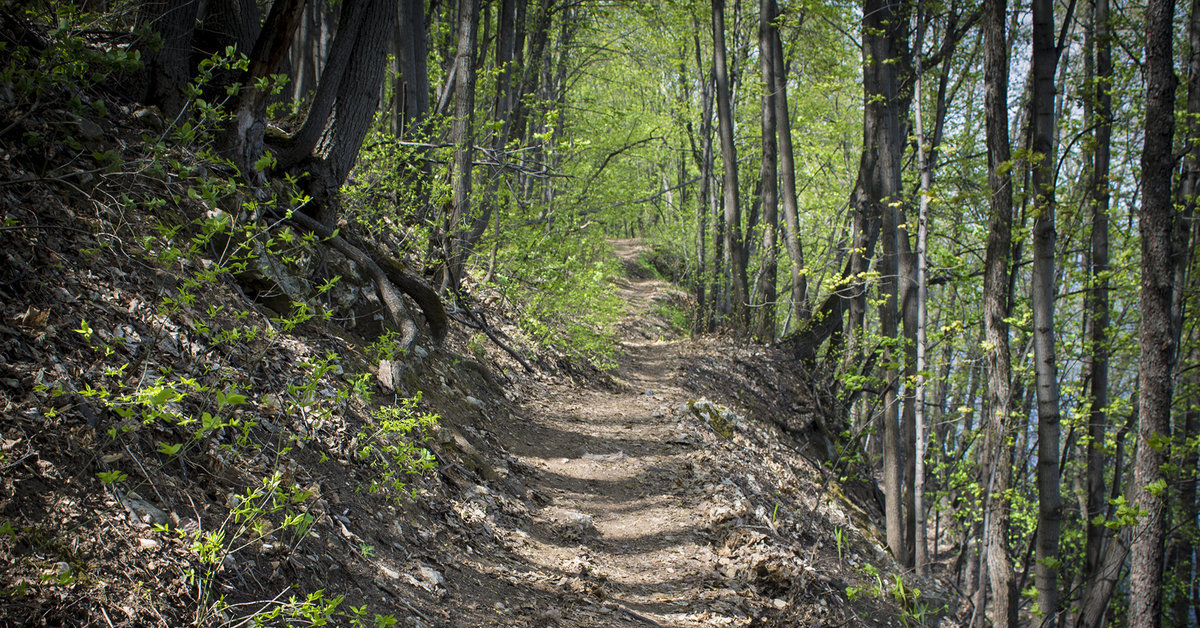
(385, 347)
(839, 535)
(477, 346)
(386, 445)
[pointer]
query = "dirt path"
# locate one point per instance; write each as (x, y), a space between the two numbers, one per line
(613, 467)
(668, 497)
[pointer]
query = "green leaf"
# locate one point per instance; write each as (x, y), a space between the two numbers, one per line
(110, 477)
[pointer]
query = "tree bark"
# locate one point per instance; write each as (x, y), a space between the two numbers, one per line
(705, 299)
(733, 218)
(1156, 223)
(412, 59)
(920, 542)
(997, 461)
(769, 174)
(168, 66)
(1098, 298)
(1184, 543)
(301, 145)
(269, 51)
(1045, 59)
(882, 136)
(787, 175)
(456, 245)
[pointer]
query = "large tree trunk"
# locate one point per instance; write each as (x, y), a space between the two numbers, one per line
(300, 146)
(882, 136)
(770, 174)
(733, 218)
(997, 458)
(1156, 223)
(268, 53)
(1045, 59)
(167, 66)
(328, 143)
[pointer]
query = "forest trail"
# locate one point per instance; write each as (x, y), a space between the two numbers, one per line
(644, 514)
(611, 464)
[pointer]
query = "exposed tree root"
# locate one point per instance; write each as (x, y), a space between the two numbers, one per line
(397, 311)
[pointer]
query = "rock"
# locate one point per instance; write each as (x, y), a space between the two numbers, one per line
(143, 511)
(427, 578)
(474, 403)
(148, 543)
(389, 373)
(151, 117)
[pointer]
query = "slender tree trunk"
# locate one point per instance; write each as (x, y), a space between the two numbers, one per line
(920, 542)
(705, 206)
(1045, 238)
(1097, 305)
(456, 245)
(997, 452)
(787, 173)
(1184, 543)
(770, 173)
(1156, 223)
(733, 218)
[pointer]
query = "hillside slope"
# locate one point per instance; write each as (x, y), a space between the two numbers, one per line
(173, 451)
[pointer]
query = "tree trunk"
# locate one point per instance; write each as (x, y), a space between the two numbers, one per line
(349, 100)
(168, 68)
(733, 218)
(787, 175)
(1156, 223)
(456, 246)
(997, 460)
(1097, 305)
(269, 51)
(770, 173)
(1183, 542)
(705, 300)
(412, 59)
(920, 542)
(301, 145)
(1045, 59)
(881, 136)
(1185, 537)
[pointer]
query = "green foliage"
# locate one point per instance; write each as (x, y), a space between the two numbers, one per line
(914, 611)
(385, 444)
(559, 287)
